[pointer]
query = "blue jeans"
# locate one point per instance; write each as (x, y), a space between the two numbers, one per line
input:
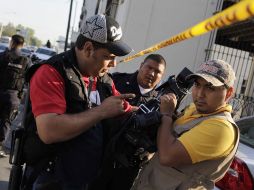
(14, 125)
(8, 108)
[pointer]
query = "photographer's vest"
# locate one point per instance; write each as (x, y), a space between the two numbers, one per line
(78, 159)
(12, 70)
(198, 176)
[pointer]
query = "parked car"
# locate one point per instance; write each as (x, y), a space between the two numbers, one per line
(26, 52)
(240, 176)
(32, 48)
(5, 39)
(3, 47)
(43, 53)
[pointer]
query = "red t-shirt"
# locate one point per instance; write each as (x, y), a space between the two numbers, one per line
(47, 92)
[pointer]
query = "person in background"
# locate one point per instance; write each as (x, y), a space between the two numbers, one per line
(48, 44)
(195, 150)
(12, 69)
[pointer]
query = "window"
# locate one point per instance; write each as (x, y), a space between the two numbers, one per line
(246, 126)
(46, 51)
(244, 85)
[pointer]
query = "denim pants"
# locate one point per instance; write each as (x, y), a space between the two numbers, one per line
(14, 125)
(9, 102)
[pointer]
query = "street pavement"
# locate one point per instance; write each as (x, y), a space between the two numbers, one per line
(4, 172)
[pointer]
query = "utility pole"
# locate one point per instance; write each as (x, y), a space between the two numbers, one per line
(112, 7)
(68, 27)
(1, 29)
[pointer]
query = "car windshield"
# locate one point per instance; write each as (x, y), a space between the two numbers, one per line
(46, 51)
(4, 40)
(3, 47)
(246, 126)
(25, 50)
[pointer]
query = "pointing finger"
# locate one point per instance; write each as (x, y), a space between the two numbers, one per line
(126, 96)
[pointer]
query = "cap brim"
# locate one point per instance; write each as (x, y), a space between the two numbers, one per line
(119, 48)
(209, 78)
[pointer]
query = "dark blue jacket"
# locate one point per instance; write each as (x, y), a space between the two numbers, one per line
(127, 83)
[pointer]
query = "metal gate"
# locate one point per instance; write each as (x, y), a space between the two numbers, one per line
(242, 62)
(235, 44)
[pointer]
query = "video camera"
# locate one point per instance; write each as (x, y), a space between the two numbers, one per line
(138, 132)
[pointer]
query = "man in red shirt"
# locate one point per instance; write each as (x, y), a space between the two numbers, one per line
(70, 95)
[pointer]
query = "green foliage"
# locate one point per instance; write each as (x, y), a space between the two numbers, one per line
(34, 41)
(9, 30)
(28, 33)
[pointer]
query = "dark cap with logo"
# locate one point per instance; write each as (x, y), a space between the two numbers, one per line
(105, 30)
(217, 72)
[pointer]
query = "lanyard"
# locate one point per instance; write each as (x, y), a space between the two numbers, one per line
(90, 86)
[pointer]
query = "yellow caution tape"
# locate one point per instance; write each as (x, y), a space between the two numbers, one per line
(238, 12)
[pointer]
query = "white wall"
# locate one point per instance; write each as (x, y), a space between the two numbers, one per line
(90, 7)
(147, 22)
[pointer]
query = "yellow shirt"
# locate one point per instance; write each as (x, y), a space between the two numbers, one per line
(210, 139)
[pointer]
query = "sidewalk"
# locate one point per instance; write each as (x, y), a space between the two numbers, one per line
(4, 172)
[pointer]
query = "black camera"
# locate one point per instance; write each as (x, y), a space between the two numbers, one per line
(139, 129)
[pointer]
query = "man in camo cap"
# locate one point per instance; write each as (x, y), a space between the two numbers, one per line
(196, 149)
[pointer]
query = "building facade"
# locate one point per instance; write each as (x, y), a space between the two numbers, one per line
(148, 22)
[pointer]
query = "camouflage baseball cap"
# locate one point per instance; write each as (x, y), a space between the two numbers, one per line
(217, 72)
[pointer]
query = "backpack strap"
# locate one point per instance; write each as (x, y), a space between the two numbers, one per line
(180, 129)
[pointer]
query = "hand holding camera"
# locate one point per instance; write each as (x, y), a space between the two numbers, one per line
(168, 104)
(138, 132)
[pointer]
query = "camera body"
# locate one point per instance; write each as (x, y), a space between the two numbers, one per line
(138, 132)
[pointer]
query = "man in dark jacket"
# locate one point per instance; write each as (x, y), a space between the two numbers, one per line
(142, 83)
(12, 70)
(70, 95)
